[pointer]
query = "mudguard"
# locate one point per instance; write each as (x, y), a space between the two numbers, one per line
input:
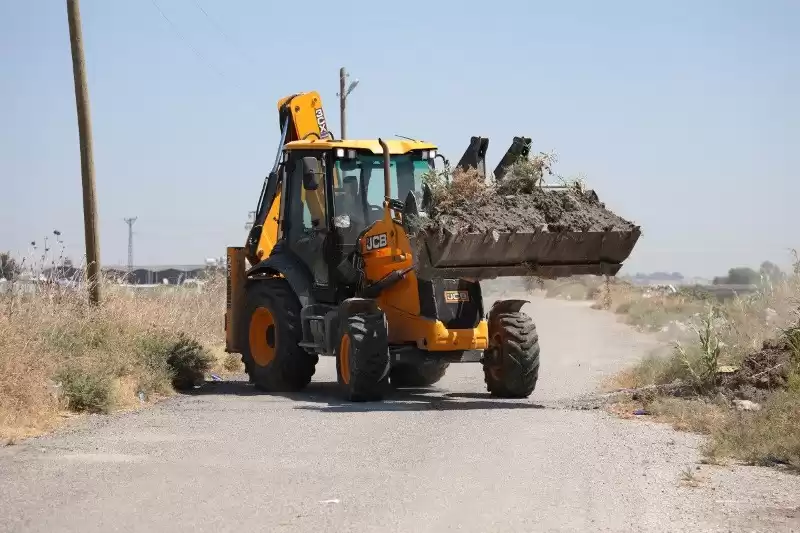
(348, 307)
(504, 306)
(286, 264)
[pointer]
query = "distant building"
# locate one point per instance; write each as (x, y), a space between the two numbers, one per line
(156, 274)
(140, 275)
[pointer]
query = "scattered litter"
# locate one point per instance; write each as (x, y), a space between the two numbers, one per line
(746, 405)
(641, 412)
(334, 500)
(141, 396)
(727, 369)
(215, 377)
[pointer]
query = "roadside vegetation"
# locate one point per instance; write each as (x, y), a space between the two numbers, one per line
(734, 377)
(59, 354)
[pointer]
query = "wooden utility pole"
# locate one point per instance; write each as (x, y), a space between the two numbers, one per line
(87, 161)
(342, 98)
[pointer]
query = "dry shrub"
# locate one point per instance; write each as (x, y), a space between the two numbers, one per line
(768, 435)
(28, 404)
(765, 437)
(758, 317)
(98, 358)
(527, 174)
(695, 415)
(232, 364)
(652, 314)
(574, 287)
(657, 368)
(451, 190)
(87, 387)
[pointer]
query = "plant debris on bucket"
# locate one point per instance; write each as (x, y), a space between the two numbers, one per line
(462, 201)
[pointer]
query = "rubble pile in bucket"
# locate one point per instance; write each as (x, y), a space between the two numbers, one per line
(463, 202)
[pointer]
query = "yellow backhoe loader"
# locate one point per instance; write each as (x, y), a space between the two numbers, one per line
(331, 268)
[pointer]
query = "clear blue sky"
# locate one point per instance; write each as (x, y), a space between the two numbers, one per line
(684, 116)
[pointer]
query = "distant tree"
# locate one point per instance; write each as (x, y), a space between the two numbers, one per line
(9, 268)
(771, 272)
(743, 276)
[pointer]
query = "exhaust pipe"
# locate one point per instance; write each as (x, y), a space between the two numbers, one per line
(387, 172)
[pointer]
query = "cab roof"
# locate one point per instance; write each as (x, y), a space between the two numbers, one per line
(396, 147)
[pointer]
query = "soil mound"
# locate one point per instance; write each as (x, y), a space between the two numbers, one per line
(465, 203)
(539, 210)
(762, 372)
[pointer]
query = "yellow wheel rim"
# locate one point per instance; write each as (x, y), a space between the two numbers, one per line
(263, 336)
(344, 359)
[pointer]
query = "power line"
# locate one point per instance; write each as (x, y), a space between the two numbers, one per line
(224, 34)
(186, 41)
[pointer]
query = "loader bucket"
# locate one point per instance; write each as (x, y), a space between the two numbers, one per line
(543, 254)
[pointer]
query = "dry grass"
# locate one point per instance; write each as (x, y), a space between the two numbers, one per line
(647, 310)
(637, 306)
(653, 314)
(657, 368)
(695, 415)
(58, 352)
(691, 478)
(452, 189)
(27, 402)
(527, 174)
(765, 437)
(574, 288)
(737, 329)
(757, 317)
(457, 188)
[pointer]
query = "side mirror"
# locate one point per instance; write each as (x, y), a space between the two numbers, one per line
(310, 173)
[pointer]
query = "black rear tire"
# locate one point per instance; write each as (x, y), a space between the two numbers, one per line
(418, 375)
(288, 367)
(511, 365)
(362, 361)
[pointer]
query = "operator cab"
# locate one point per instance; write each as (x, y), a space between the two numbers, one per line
(334, 194)
(361, 194)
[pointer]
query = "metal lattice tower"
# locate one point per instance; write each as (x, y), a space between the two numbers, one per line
(130, 222)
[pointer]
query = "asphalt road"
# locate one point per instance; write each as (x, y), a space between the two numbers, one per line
(446, 459)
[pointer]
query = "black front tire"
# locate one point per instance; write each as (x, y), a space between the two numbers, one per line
(291, 367)
(511, 365)
(362, 357)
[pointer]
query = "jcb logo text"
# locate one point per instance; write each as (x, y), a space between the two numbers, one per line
(323, 125)
(376, 241)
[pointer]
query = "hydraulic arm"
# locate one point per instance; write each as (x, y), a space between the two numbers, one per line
(301, 118)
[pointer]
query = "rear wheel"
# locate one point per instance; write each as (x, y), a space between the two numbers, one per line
(511, 364)
(270, 334)
(362, 357)
(418, 375)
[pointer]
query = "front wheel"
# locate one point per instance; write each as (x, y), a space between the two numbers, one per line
(511, 364)
(270, 333)
(362, 356)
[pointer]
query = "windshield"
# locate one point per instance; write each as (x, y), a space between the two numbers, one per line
(359, 190)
